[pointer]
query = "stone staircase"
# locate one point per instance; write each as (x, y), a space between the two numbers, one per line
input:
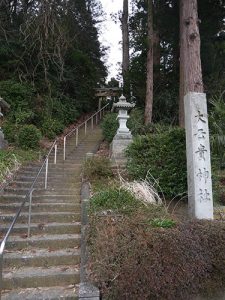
(46, 265)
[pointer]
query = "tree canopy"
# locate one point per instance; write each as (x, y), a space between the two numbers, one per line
(166, 52)
(50, 58)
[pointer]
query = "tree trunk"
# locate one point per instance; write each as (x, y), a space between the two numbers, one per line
(157, 54)
(125, 38)
(190, 58)
(149, 81)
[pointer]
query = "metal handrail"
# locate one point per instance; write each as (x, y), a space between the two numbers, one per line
(97, 112)
(76, 129)
(29, 194)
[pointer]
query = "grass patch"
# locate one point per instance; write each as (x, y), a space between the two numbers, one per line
(116, 199)
(162, 223)
(12, 158)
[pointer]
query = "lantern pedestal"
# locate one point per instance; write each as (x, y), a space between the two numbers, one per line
(3, 142)
(119, 145)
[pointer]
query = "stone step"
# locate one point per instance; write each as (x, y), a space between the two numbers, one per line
(54, 183)
(45, 293)
(54, 241)
(46, 265)
(42, 217)
(40, 277)
(9, 198)
(52, 169)
(49, 228)
(51, 178)
(40, 191)
(41, 207)
(41, 258)
(51, 173)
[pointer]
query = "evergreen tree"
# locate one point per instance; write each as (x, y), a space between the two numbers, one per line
(51, 46)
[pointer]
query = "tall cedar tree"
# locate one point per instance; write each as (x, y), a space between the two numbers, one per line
(190, 58)
(125, 38)
(149, 80)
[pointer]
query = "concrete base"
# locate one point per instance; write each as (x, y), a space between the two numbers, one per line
(88, 292)
(119, 145)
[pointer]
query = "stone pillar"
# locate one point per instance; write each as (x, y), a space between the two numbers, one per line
(99, 103)
(200, 200)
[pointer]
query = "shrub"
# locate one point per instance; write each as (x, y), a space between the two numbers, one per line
(133, 261)
(51, 127)
(97, 168)
(163, 156)
(10, 131)
(29, 137)
(64, 110)
(136, 124)
(217, 128)
(136, 121)
(109, 126)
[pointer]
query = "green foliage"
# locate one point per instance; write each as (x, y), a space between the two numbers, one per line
(51, 127)
(10, 131)
(20, 96)
(29, 137)
(163, 156)
(97, 168)
(16, 93)
(50, 76)
(23, 117)
(217, 127)
(136, 121)
(163, 223)
(64, 109)
(109, 126)
(114, 199)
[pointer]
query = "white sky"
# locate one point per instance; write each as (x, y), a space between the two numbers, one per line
(111, 36)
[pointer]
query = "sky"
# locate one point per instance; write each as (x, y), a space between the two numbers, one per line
(111, 36)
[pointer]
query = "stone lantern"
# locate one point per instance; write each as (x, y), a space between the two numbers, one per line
(123, 136)
(3, 106)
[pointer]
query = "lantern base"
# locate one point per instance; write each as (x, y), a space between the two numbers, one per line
(3, 142)
(119, 145)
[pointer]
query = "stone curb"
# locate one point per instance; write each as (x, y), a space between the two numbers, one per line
(87, 291)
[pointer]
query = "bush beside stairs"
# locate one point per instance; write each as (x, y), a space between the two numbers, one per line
(47, 264)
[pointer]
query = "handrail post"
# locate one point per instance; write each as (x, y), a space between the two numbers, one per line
(96, 118)
(1, 270)
(85, 128)
(29, 215)
(77, 133)
(46, 174)
(100, 114)
(64, 148)
(92, 123)
(55, 154)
